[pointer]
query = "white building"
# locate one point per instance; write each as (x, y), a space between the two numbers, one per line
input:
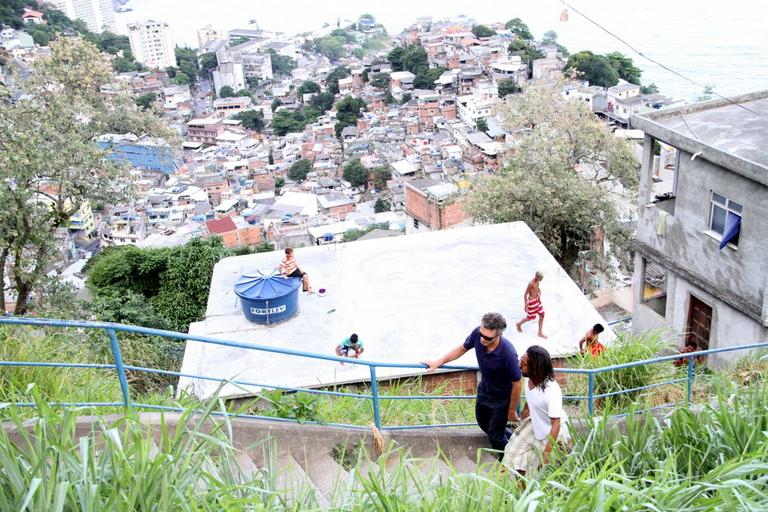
(207, 34)
(479, 104)
(97, 14)
(151, 44)
(231, 74)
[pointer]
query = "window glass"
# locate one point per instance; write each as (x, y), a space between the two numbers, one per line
(718, 198)
(718, 219)
(734, 206)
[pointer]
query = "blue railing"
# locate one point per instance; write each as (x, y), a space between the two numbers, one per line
(120, 368)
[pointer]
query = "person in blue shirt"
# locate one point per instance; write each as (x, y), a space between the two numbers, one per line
(353, 343)
(498, 393)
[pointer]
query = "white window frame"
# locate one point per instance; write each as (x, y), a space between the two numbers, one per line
(730, 207)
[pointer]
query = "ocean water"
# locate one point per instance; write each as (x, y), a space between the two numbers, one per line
(719, 43)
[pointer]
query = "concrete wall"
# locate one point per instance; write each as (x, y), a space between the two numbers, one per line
(734, 279)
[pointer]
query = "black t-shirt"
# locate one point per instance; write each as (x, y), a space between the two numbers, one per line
(499, 369)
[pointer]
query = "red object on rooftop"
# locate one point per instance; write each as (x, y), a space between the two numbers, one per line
(220, 226)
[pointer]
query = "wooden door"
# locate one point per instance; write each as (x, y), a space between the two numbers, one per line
(699, 323)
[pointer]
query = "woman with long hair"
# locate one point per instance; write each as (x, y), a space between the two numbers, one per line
(544, 418)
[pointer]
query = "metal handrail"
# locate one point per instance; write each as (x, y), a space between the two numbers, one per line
(120, 368)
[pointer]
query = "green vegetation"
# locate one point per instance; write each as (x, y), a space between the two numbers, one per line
(413, 58)
(347, 112)
(208, 62)
(54, 175)
(332, 45)
(307, 87)
(186, 59)
(332, 80)
(483, 31)
(281, 65)
(226, 92)
(146, 101)
(380, 176)
(356, 174)
(520, 29)
(526, 49)
(252, 119)
(379, 80)
(714, 459)
(381, 205)
(540, 184)
(482, 125)
(604, 70)
(299, 170)
(508, 86)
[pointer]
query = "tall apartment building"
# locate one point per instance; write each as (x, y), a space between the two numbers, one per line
(151, 44)
(97, 14)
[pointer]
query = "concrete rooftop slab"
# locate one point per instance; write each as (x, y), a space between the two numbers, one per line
(409, 298)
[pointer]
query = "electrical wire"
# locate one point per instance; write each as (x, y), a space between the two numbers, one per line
(666, 68)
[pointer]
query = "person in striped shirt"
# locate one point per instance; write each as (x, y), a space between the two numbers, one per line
(289, 268)
(532, 304)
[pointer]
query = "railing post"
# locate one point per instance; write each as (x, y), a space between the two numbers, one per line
(375, 395)
(690, 381)
(119, 367)
(591, 393)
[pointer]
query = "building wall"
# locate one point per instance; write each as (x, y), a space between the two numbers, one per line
(731, 281)
(151, 44)
(429, 214)
(97, 14)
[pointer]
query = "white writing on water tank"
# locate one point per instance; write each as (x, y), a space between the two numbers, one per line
(268, 311)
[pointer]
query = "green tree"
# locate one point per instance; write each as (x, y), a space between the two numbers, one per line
(596, 69)
(307, 87)
(482, 31)
(279, 184)
(299, 170)
(379, 80)
(281, 64)
(482, 125)
(550, 37)
(49, 164)
(226, 92)
(347, 112)
(252, 119)
(406, 98)
(411, 57)
(508, 86)
(624, 67)
(380, 177)
(275, 103)
(208, 62)
(426, 79)
(649, 89)
(323, 101)
(288, 121)
(171, 71)
(182, 79)
(331, 47)
(332, 80)
(356, 174)
(526, 50)
(381, 205)
(520, 29)
(557, 178)
(146, 101)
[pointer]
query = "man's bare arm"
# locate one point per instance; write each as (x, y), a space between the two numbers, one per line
(447, 358)
(514, 400)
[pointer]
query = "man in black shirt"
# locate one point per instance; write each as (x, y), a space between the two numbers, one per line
(498, 393)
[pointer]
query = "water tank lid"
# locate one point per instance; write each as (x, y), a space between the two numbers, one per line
(265, 287)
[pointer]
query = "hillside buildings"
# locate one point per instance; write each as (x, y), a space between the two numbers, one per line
(151, 44)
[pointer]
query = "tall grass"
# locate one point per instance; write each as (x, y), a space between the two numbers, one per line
(713, 459)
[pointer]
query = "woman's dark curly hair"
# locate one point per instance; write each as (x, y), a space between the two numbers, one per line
(540, 369)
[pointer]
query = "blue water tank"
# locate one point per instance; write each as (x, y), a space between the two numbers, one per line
(268, 299)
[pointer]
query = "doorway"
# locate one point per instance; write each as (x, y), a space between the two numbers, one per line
(699, 323)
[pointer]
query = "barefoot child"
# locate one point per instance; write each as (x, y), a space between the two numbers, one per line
(533, 307)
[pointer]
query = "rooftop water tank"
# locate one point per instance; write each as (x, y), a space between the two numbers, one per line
(268, 299)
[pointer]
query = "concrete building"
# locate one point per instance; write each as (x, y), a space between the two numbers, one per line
(233, 105)
(98, 15)
(702, 247)
(229, 74)
(431, 205)
(151, 44)
(208, 34)
(389, 303)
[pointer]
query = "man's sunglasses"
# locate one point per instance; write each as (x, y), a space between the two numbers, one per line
(487, 338)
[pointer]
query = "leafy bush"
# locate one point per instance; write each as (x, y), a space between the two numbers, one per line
(624, 349)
